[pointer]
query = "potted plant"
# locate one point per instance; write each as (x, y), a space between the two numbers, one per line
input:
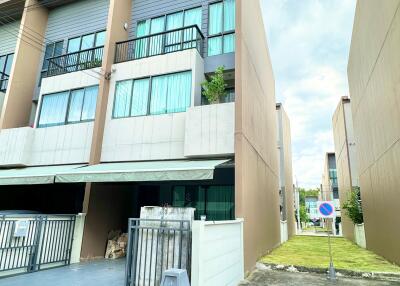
(214, 87)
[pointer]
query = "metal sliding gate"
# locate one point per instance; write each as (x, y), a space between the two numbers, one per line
(155, 245)
(29, 244)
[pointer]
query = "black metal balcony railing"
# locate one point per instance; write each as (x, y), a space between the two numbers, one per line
(3, 82)
(77, 61)
(160, 43)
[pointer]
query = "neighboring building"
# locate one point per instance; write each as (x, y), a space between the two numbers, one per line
(373, 73)
(286, 190)
(329, 187)
(346, 158)
(311, 206)
(103, 114)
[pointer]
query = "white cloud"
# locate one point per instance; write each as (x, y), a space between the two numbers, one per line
(309, 42)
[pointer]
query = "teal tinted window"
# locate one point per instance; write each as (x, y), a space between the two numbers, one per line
(156, 95)
(68, 107)
(215, 202)
(171, 93)
(221, 28)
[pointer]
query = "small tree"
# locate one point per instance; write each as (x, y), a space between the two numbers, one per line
(353, 207)
(303, 214)
(214, 88)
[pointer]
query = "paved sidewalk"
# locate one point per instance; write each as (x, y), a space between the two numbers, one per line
(94, 273)
(282, 278)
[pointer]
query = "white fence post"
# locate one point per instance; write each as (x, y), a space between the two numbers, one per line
(359, 235)
(78, 236)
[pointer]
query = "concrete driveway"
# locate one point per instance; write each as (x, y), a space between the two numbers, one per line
(94, 273)
(283, 278)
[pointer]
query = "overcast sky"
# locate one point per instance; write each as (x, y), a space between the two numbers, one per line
(309, 43)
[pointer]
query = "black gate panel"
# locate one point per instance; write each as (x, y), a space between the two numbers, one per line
(155, 246)
(30, 243)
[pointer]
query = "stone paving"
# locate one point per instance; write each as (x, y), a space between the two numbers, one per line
(94, 273)
(283, 278)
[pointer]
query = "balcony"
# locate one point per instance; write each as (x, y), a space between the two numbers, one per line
(58, 145)
(77, 61)
(160, 43)
(210, 130)
(3, 82)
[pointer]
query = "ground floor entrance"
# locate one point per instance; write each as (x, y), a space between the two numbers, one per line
(112, 204)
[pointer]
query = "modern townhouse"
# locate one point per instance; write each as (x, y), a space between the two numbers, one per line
(329, 188)
(346, 158)
(286, 192)
(373, 75)
(103, 114)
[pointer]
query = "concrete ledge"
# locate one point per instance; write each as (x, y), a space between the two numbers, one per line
(382, 276)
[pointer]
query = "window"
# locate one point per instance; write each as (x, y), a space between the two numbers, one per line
(215, 202)
(52, 50)
(171, 41)
(229, 96)
(5, 69)
(85, 42)
(154, 95)
(221, 28)
(65, 107)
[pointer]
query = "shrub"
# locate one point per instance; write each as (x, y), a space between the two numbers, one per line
(352, 206)
(214, 88)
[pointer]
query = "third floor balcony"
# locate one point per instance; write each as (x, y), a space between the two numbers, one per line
(76, 61)
(160, 43)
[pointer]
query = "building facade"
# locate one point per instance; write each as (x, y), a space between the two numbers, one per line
(330, 189)
(373, 72)
(103, 113)
(285, 171)
(346, 158)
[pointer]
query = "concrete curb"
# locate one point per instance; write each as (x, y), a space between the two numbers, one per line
(383, 276)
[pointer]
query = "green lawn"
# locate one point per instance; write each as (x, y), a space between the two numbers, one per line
(312, 251)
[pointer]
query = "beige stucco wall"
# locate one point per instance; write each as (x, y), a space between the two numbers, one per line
(287, 146)
(24, 69)
(343, 162)
(285, 166)
(373, 73)
(256, 159)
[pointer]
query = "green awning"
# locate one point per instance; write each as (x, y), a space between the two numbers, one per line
(182, 170)
(33, 175)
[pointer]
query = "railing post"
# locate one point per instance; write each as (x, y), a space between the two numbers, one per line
(148, 47)
(71, 238)
(128, 267)
(34, 263)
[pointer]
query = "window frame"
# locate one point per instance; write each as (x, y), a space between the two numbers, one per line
(205, 187)
(165, 18)
(45, 70)
(7, 57)
(65, 122)
(148, 94)
(84, 35)
(223, 33)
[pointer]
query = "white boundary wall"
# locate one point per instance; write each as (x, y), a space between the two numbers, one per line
(217, 253)
(284, 231)
(359, 235)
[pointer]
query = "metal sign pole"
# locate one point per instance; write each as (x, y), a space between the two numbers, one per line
(332, 274)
